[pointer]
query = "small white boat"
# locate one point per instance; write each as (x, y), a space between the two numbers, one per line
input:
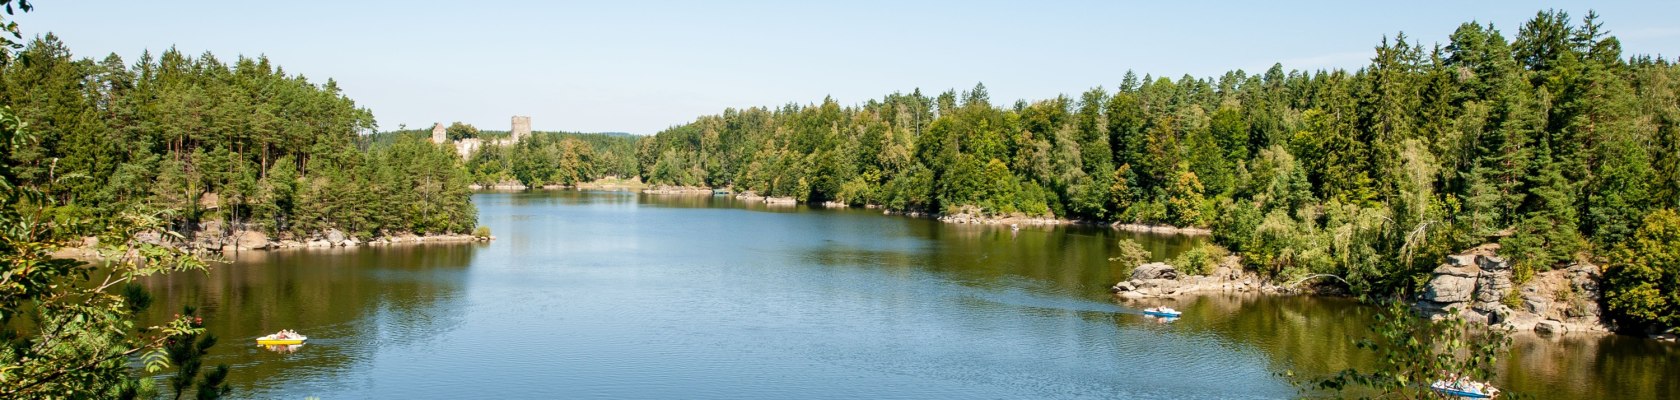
(1165, 312)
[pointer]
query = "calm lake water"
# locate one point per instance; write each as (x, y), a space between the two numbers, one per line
(618, 295)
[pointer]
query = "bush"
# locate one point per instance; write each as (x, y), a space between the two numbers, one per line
(1132, 254)
(1200, 260)
(481, 232)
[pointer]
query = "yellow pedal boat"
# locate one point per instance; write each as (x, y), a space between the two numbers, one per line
(277, 340)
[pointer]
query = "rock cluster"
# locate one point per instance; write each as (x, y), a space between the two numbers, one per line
(663, 189)
(1155, 280)
(974, 215)
(1477, 286)
(768, 200)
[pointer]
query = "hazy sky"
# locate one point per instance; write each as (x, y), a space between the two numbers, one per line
(643, 66)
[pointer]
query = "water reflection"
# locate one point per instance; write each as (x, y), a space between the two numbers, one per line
(282, 348)
(349, 301)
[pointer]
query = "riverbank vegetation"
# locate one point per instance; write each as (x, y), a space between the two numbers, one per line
(1552, 143)
(555, 158)
(242, 143)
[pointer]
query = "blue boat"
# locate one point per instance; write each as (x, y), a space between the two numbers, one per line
(1468, 390)
(1164, 312)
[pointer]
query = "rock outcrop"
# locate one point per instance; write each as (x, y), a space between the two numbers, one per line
(1155, 280)
(1477, 285)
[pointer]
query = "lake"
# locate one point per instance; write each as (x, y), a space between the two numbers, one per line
(620, 295)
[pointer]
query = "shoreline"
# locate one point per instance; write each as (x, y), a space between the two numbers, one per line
(242, 241)
(1473, 286)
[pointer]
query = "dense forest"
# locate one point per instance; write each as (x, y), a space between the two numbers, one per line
(1554, 144)
(241, 142)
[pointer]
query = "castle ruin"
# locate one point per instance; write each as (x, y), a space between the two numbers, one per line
(520, 130)
(521, 127)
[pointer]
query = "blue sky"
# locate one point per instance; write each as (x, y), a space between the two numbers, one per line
(643, 66)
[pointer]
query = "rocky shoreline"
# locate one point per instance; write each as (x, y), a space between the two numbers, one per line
(244, 240)
(1162, 229)
(1475, 285)
(680, 190)
(751, 196)
(1160, 280)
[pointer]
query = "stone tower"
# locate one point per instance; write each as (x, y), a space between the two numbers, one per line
(521, 127)
(438, 133)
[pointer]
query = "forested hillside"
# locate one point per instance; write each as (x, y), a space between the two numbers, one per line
(1553, 143)
(240, 142)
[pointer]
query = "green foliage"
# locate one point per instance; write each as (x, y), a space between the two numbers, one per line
(11, 27)
(241, 142)
(458, 131)
(1200, 259)
(554, 158)
(1130, 254)
(187, 352)
(1642, 282)
(67, 331)
(481, 232)
(1413, 352)
(1184, 199)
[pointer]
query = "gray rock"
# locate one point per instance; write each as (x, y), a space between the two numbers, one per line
(1155, 270)
(1492, 286)
(334, 236)
(1536, 304)
(1522, 322)
(1493, 263)
(1154, 283)
(1550, 326)
(318, 243)
(1124, 287)
(1451, 285)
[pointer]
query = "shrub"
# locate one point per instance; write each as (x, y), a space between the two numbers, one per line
(1132, 254)
(1200, 259)
(481, 232)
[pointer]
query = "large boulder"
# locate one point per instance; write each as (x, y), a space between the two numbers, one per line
(1452, 284)
(250, 240)
(1154, 270)
(1550, 326)
(335, 237)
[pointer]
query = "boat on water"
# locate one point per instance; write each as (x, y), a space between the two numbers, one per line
(1464, 389)
(282, 338)
(1165, 312)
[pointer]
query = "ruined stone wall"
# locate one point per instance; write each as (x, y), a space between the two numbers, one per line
(438, 133)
